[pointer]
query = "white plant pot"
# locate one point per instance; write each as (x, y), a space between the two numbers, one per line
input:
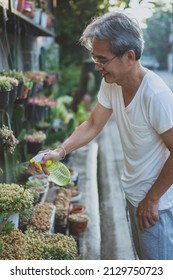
(37, 17)
(14, 218)
(44, 20)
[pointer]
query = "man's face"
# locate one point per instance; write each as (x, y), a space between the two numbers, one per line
(111, 67)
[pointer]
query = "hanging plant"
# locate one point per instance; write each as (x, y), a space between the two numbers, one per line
(8, 142)
(5, 85)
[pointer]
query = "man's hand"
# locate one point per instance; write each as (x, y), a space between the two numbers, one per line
(147, 213)
(48, 155)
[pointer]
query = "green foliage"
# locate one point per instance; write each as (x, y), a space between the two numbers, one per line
(72, 17)
(35, 245)
(14, 198)
(18, 114)
(5, 85)
(14, 74)
(69, 79)
(158, 26)
(55, 136)
(9, 226)
(1, 172)
(22, 134)
(81, 114)
(44, 246)
(52, 59)
(13, 246)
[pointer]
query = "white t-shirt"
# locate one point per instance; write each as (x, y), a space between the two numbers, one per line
(149, 114)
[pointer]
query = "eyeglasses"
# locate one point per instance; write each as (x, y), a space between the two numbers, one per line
(102, 65)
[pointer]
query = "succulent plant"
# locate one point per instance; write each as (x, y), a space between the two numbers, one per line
(8, 140)
(13, 246)
(35, 245)
(37, 137)
(14, 74)
(5, 85)
(42, 217)
(45, 246)
(14, 82)
(13, 199)
(78, 217)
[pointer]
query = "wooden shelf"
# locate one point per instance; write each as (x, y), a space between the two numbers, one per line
(27, 26)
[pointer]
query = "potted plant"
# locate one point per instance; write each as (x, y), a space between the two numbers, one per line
(13, 93)
(77, 209)
(36, 245)
(43, 125)
(8, 141)
(62, 208)
(45, 246)
(13, 245)
(5, 87)
(13, 199)
(77, 223)
(37, 109)
(39, 185)
(43, 217)
(17, 75)
(35, 141)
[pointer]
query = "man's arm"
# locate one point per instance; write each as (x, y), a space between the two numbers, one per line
(148, 207)
(89, 129)
(82, 135)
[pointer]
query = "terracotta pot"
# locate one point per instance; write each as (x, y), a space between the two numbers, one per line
(20, 5)
(78, 209)
(77, 223)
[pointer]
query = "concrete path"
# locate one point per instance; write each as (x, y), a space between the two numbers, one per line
(115, 230)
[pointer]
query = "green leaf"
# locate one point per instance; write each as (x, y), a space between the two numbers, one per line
(22, 135)
(18, 114)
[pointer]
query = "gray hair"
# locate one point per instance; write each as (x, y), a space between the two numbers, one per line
(122, 32)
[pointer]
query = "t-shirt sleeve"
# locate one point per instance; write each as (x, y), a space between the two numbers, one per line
(161, 111)
(104, 97)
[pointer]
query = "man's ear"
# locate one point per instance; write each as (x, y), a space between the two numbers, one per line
(130, 55)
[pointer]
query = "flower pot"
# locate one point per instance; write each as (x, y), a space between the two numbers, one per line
(76, 196)
(42, 177)
(36, 113)
(74, 176)
(19, 89)
(34, 147)
(44, 19)
(62, 208)
(14, 4)
(4, 99)
(14, 218)
(20, 5)
(24, 92)
(42, 191)
(37, 17)
(12, 95)
(78, 209)
(78, 223)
